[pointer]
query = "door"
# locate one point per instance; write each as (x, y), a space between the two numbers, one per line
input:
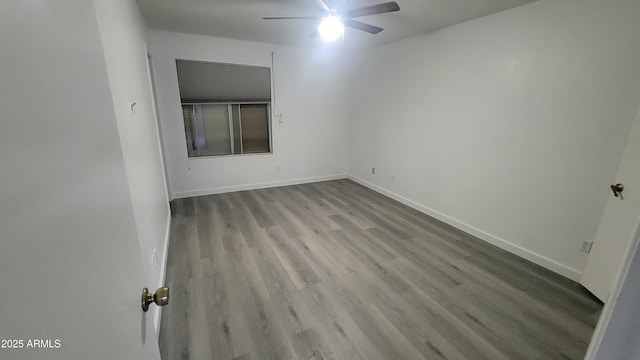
(616, 335)
(620, 217)
(70, 263)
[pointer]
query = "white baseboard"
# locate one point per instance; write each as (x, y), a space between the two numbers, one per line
(163, 271)
(226, 189)
(538, 259)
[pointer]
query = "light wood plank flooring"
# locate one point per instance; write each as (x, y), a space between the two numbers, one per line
(333, 270)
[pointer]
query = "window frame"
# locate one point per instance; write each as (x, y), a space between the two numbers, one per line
(230, 105)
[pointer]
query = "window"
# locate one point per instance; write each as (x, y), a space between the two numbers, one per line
(225, 108)
(213, 129)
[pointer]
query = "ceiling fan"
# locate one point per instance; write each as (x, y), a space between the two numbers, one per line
(332, 24)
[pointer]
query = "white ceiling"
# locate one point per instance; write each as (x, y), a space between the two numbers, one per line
(242, 19)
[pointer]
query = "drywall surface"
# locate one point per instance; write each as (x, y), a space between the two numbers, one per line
(510, 126)
(309, 140)
(69, 255)
(124, 41)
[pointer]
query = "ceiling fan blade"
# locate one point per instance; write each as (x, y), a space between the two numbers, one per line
(322, 4)
(290, 17)
(362, 26)
(372, 10)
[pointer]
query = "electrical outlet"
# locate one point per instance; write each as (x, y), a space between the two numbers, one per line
(586, 246)
(373, 170)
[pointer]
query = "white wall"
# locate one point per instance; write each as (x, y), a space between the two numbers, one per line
(510, 126)
(67, 230)
(311, 94)
(123, 35)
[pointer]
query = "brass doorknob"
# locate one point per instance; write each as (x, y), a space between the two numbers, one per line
(160, 297)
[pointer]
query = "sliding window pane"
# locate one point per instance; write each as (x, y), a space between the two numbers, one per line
(254, 122)
(187, 114)
(216, 126)
(209, 133)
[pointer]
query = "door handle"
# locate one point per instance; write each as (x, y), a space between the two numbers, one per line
(160, 297)
(617, 190)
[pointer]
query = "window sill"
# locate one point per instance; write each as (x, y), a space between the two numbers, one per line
(228, 156)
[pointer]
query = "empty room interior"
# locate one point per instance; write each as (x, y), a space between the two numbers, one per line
(320, 179)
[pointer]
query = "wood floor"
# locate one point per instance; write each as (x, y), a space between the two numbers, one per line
(333, 270)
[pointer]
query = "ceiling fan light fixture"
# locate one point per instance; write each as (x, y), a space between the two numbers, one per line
(331, 28)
